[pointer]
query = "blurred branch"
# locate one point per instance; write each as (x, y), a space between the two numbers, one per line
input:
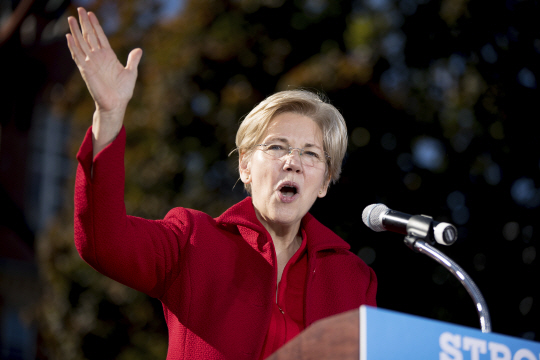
(14, 21)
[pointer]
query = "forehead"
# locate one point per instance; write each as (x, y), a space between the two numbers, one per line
(296, 129)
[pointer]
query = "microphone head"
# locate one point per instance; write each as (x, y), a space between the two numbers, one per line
(372, 216)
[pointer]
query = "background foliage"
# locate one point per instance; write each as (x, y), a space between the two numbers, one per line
(440, 100)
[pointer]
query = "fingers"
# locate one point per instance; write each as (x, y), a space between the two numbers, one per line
(76, 53)
(90, 38)
(87, 29)
(101, 37)
(134, 58)
(78, 39)
(77, 45)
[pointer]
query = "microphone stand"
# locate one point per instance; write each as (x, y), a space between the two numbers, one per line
(419, 228)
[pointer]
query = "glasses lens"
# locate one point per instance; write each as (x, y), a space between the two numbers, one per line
(276, 150)
(310, 157)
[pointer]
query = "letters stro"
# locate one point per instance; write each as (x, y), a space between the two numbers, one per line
(456, 347)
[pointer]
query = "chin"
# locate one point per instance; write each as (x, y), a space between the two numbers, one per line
(286, 216)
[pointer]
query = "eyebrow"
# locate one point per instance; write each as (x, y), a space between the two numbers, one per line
(284, 140)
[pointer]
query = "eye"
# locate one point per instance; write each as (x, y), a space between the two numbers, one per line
(274, 147)
(312, 154)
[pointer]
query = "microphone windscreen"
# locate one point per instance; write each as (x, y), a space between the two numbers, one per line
(371, 216)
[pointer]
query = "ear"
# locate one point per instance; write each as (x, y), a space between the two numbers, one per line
(324, 188)
(244, 167)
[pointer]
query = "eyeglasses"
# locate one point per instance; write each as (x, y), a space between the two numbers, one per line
(311, 157)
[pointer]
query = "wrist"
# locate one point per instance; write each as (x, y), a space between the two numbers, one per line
(105, 127)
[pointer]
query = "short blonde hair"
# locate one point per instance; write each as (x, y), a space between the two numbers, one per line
(303, 102)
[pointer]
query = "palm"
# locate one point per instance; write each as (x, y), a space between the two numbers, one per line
(109, 82)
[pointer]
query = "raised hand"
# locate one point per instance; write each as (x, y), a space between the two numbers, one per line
(109, 82)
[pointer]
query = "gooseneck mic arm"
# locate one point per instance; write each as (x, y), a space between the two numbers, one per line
(481, 307)
(419, 228)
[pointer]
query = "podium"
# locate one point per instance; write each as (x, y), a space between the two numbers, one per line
(370, 333)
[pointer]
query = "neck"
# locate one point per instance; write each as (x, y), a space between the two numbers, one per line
(286, 237)
(286, 240)
(287, 243)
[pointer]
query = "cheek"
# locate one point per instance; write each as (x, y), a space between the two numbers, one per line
(264, 171)
(317, 179)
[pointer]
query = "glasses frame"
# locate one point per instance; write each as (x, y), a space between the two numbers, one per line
(300, 152)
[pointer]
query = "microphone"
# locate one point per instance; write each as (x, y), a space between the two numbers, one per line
(378, 217)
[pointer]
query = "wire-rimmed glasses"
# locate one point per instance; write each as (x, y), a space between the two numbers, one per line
(309, 157)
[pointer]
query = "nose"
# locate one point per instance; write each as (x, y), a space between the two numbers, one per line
(293, 162)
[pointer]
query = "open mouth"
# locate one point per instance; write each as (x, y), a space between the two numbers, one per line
(288, 189)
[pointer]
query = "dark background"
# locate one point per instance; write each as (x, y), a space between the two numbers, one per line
(440, 99)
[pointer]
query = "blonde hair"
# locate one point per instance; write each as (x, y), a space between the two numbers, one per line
(303, 102)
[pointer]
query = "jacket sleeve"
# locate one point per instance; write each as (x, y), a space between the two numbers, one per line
(137, 252)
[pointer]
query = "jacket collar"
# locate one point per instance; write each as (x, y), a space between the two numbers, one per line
(241, 214)
(319, 237)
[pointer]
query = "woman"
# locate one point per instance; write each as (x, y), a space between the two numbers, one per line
(241, 285)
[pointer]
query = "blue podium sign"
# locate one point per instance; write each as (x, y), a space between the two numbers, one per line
(388, 335)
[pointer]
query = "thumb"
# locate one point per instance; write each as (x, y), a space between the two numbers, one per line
(134, 58)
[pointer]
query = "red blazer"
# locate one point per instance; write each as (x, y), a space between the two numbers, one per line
(215, 277)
